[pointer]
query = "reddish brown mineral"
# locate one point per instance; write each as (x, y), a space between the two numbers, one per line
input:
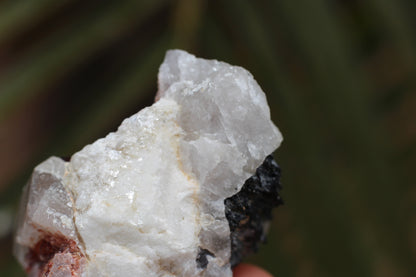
(54, 255)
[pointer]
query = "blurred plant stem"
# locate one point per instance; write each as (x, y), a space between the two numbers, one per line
(41, 67)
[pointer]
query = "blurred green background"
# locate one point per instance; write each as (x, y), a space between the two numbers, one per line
(339, 76)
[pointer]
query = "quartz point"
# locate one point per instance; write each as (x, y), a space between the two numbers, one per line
(163, 195)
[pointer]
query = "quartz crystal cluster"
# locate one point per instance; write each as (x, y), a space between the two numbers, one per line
(183, 188)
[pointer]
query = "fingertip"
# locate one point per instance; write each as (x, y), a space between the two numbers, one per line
(246, 270)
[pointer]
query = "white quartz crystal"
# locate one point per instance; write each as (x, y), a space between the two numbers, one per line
(145, 199)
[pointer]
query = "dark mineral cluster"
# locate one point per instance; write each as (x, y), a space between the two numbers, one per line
(250, 210)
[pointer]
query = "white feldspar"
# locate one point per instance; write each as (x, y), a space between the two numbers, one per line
(145, 199)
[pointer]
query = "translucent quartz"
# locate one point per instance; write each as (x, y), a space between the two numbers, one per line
(146, 199)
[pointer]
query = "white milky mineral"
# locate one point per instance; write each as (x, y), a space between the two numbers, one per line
(144, 200)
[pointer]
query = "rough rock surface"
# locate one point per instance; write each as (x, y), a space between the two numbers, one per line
(250, 210)
(148, 199)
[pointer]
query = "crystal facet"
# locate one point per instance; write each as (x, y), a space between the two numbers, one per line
(148, 199)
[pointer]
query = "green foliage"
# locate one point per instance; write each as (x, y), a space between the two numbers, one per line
(339, 76)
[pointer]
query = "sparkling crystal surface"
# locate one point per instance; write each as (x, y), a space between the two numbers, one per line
(148, 199)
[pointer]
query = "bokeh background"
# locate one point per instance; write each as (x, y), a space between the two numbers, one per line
(339, 76)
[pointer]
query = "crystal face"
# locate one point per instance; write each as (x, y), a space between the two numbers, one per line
(148, 199)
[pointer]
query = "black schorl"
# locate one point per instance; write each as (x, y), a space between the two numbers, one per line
(250, 209)
(202, 258)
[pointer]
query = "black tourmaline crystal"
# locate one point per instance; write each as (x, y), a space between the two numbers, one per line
(249, 211)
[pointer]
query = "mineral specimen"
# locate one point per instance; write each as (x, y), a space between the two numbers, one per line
(182, 188)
